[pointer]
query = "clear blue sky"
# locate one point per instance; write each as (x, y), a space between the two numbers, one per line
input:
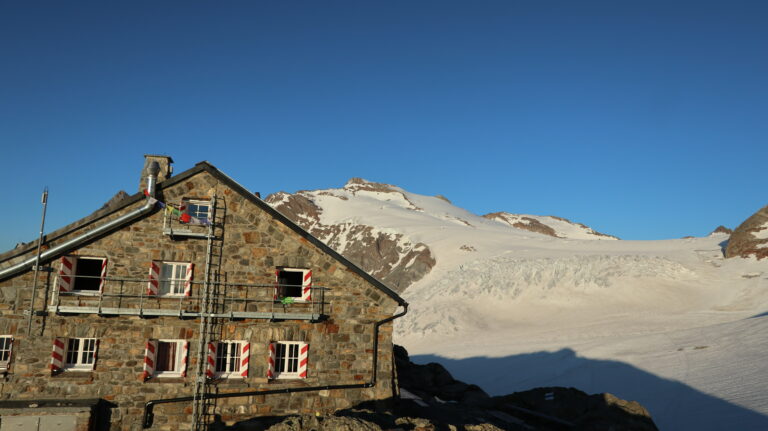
(642, 119)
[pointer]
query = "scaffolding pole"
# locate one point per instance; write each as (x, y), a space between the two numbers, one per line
(44, 201)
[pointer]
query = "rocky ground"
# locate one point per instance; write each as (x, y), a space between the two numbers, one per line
(432, 400)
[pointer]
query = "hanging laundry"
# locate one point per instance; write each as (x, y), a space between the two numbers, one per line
(180, 212)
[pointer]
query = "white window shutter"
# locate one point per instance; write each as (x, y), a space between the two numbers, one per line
(154, 278)
(303, 355)
(271, 361)
(306, 285)
(66, 273)
(150, 355)
(245, 357)
(188, 279)
(57, 355)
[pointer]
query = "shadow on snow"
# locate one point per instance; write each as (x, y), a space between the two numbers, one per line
(672, 404)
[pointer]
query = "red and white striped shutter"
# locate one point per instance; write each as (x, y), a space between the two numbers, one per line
(210, 360)
(150, 356)
(188, 279)
(57, 356)
(245, 358)
(277, 283)
(306, 285)
(303, 354)
(184, 357)
(154, 278)
(103, 274)
(95, 353)
(271, 362)
(66, 273)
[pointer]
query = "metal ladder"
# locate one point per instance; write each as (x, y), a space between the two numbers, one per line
(203, 406)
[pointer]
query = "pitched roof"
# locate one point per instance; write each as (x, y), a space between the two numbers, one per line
(234, 185)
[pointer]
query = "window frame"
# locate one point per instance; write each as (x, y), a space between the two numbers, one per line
(6, 349)
(187, 202)
(237, 358)
(79, 354)
(173, 283)
(73, 284)
(281, 361)
(280, 288)
(178, 361)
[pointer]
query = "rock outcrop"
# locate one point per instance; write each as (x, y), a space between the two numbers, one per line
(722, 229)
(751, 237)
(553, 226)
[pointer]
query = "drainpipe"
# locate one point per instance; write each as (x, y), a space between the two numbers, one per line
(149, 406)
(152, 171)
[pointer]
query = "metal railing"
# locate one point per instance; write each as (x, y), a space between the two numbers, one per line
(127, 296)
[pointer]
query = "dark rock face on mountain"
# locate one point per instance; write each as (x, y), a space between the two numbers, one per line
(525, 223)
(390, 257)
(433, 380)
(539, 225)
(751, 237)
(722, 229)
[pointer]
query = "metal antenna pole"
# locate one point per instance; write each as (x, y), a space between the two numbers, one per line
(44, 201)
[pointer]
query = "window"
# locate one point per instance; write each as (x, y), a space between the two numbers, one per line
(74, 354)
(6, 346)
(170, 278)
(293, 283)
(81, 353)
(165, 358)
(288, 360)
(82, 274)
(195, 211)
(230, 359)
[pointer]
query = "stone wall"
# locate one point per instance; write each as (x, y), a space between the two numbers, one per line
(254, 244)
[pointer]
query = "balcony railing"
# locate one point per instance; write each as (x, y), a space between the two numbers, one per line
(122, 296)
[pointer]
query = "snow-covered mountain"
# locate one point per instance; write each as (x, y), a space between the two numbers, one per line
(382, 227)
(500, 303)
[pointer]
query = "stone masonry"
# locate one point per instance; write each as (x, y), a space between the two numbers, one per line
(255, 241)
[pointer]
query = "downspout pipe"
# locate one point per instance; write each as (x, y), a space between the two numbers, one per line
(152, 171)
(149, 405)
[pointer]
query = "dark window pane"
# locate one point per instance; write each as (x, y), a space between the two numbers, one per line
(72, 349)
(290, 283)
(166, 356)
(88, 274)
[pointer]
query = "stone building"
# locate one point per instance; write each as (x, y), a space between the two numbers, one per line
(189, 303)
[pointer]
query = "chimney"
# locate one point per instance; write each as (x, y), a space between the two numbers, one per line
(164, 162)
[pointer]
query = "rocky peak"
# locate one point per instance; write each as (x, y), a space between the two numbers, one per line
(553, 226)
(359, 184)
(751, 237)
(722, 229)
